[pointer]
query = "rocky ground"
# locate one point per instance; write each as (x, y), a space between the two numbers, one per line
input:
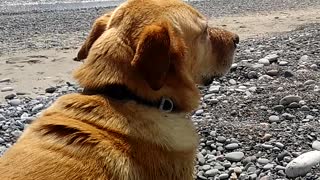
(253, 122)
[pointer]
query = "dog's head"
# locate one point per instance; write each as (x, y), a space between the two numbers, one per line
(157, 49)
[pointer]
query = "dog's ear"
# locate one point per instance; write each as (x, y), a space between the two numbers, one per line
(154, 54)
(97, 30)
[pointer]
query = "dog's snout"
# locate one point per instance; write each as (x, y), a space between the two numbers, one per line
(236, 39)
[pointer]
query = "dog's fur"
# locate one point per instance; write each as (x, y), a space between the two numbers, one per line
(154, 48)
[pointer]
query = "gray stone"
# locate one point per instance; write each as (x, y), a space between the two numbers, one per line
(37, 107)
(214, 89)
(206, 167)
(279, 145)
(232, 82)
(234, 156)
(221, 139)
(263, 161)
(15, 102)
(268, 166)
(304, 58)
(272, 57)
(294, 105)
(5, 80)
(309, 82)
(266, 146)
(199, 112)
(252, 75)
(316, 145)
(272, 72)
(278, 108)
(283, 63)
(211, 172)
(201, 159)
(274, 118)
(288, 116)
(224, 176)
(305, 108)
(290, 99)
(264, 61)
(232, 146)
(6, 89)
(301, 165)
(253, 176)
(314, 66)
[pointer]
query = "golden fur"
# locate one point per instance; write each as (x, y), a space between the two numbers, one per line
(156, 49)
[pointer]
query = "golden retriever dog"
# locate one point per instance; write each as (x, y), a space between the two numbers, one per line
(142, 64)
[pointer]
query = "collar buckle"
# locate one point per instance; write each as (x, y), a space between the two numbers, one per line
(166, 105)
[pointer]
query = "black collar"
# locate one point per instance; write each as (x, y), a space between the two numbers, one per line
(121, 92)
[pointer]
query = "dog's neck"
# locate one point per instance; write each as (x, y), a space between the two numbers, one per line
(121, 92)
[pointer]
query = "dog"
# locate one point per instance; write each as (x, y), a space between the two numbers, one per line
(142, 64)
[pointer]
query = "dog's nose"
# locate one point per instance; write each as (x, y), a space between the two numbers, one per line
(236, 39)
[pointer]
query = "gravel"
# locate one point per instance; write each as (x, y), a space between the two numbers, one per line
(253, 123)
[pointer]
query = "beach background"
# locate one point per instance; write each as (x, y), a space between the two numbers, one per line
(39, 38)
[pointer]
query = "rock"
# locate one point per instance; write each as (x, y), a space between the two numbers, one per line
(201, 159)
(214, 89)
(278, 108)
(232, 146)
(238, 170)
(309, 82)
(274, 118)
(279, 145)
(221, 139)
(294, 105)
(199, 112)
(304, 58)
(211, 172)
(15, 102)
(316, 145)
(6, 89)
(266, 137)
(10, 96)
(263, 161)
(232, 82)
(234, 156)
(305, 108)
(272, 72)
(288, 74)
(290, 99)
(301, 165)
(5, 80)
(266, 146)
(37, 107)
(206, 167)
(265, 78)
(51, 90)
(272, 57)
(288, 116)
(224, 176)
(268, 167)
(314, 66)
(283, 63)
(264, 61)
(252, 75)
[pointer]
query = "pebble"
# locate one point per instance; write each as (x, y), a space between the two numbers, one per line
(272, 72)
(288, 74)
(314, 66)
(278, 108)
(214, 89)
(301, 165)
(234, 156)
(5, 80)
(290, 99)
(6, 89)
(37, 107)
(309, 82)
(316, 145)
(263, 161)
(10, 96)
(221, 139)
(232, 82)
(288, 116)
(224, 176)
(15, 102)
(274, 118)
(304, 58)
(272, 57)
(266, 146)
(279, 145)
(252, 75)
(199, 112)
(232, 146)
(264, 61)
(211, 172)
(268, 166)
(51, 90)
(283, 63)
